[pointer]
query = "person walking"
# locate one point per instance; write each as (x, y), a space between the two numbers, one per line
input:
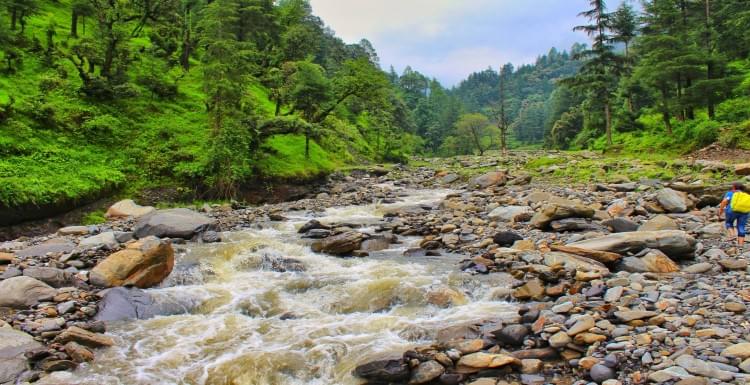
(735, 208)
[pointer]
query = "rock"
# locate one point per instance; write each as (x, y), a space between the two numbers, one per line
(210, 236)
(341, 244)
(672, 201)
(384, 371)
(559, 340)
(599, 256)
(512, 335)
(669, 374)
(511, 213)
(78, 352)
(531, 366)
(466, 346)
(741, 351)
(653, 262)
(735, 307)
(122, 303)
(54, 246)
(506, 238)
(659, 223)
(24, 292)
(444, 297)
(614, 294)
(712, 231)
(484, 381)
(733, 264)
(6, 258)
(128, 208)
(582, 324)
(450, 178)
(673, 243)
(426, 372)
(698, 268)
(621, 225)
(560, 210)
(703, 368)
(13, 345)
(143, 264)
(742, 169)
(601, 373)
(104, 240)
(83, 337)
(486, 360)
(533, 289)
(49, 275)
(73, 230)
(630, 315)
(377, 243)
(312, 225)
(574, 224)
(489, 179)
(574, 262)
(173, 223)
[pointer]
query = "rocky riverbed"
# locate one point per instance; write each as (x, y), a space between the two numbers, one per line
(621, 281)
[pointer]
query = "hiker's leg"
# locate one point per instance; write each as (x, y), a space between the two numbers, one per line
(741, 222)
(729, 224)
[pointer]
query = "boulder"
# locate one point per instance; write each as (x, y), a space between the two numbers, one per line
(24, 292)
(482, 360)
(560, 210)
(128, 208)
(512, 334)
(658, 223)
(506, 238)
(489, 179)
(386, 371)
(673, 201)
(49, 275)
(742, 169)
(54, 246)
(13, 345)
(143, 264)
(511, 213)
(426, 372)
(574, 262)
(448, 179)
(83, 337)
(173, 223)
(673, 243)
(599, 256)
(653, 262)
(106, 240)
(341, 244)
(122, 303)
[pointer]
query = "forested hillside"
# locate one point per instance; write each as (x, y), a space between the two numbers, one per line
(201, 97)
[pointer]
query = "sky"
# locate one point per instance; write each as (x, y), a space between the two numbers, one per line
(449, 39)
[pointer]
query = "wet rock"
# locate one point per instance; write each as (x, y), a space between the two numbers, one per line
(531, 366)
(317, 234)
(143, 264)
(506, 238)
(672, 201)
(312, 225)
(511, 213)
(377, 243)
(173, 223)
(340, 244)
(210, 236)
(13, 345)
(480, 360)
(673, 243)
(658, 223)
(562, 210)
(128, 208)
(533, 289)
(122, 303)
(512, 335)
(49, 275)
(489, 179)
(384, 371)
(24, 292)
(83, 337)
(426, 372)
(78, 352)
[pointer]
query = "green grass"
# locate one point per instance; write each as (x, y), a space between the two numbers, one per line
(288, 158)
(94, 218)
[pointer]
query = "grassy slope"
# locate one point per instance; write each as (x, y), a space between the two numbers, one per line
(85, 147)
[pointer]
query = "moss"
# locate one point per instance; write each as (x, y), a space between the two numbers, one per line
(94, 218)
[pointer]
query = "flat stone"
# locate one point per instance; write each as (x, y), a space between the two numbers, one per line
(105, 240)
(630, 315)
(698, 268)
(741, 351)
(173, 223)
(673, 243)
(83, 337)
(487, 360)
(559, 340)
(733, 264)
(54, 246)
(426, 372)
(582, 324)
(24, 292)
(703, 368)
(13, 345)
(49, 275)
(128, 208)
(74, 230)
(658, 223)
(669, 374)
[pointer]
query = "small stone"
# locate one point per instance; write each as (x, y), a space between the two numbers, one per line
(735, 307)
(583, 323)
(559, 340)
(78, 352)
(601, 373)
(531, 366)
(426, 372)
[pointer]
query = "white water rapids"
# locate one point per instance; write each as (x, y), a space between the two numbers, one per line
(255, 326)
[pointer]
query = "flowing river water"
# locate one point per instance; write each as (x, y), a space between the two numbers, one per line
(252, 325)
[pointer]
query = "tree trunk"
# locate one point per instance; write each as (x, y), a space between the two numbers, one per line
(681, 109)
(608, 117)
(186, 46)
(109, 56)
(665, 110)
(307, 143)
(476, 141)
(13, 18)
(74, 24)
(689, 110)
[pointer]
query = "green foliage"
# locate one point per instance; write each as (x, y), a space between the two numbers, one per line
(286, 158)
(94, 218)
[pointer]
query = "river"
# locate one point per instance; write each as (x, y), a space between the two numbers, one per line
(251, 325)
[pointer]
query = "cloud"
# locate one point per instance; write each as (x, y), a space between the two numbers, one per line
(449, 39)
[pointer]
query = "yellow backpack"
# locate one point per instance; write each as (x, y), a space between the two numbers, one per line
(740, 202)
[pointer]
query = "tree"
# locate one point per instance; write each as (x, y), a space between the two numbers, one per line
(502, 118)
(474, 128)
(19, 10)
(598, 75)
(308, 90)
(624, 26)
(79, 9)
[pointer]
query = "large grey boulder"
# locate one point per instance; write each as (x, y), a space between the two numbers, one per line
(122, 303)
(673, 243)
(672, 201)
(174, 223)
(13, 345)
(24, 292)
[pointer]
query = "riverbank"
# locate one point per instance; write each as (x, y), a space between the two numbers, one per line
(650, 291)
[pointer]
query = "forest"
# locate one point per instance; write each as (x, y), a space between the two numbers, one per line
(206, 97)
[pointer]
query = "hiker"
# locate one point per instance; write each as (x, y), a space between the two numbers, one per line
(735, 208)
